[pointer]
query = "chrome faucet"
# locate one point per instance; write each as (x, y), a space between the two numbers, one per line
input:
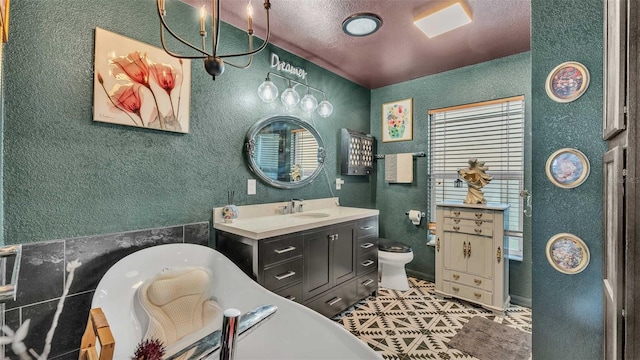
(292, 206)
(208, 345)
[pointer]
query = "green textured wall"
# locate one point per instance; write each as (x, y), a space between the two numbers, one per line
(495, 79)
(567, 321)
(66, 176)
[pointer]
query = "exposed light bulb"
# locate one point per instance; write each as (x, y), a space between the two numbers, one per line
(267, 91)
(308, 103)
(290, 98)
(249, 10)
(325, 109)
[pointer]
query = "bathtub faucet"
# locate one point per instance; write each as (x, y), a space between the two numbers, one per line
(225, 339)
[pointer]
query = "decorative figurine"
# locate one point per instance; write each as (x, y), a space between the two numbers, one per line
(476, 179)
(296, 174)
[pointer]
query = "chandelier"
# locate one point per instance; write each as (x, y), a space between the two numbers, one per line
(213, 62)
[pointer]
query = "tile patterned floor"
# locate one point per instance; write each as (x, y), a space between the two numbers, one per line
(414, 324)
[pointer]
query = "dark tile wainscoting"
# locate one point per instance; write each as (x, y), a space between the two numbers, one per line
(42, 280)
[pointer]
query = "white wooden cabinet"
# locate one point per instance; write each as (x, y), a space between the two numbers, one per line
(471, 248)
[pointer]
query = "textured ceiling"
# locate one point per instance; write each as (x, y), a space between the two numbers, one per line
(399, 51)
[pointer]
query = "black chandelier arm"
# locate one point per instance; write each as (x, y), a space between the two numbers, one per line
(262, 46)
(297, 83)
(250, 57)
(165, 26)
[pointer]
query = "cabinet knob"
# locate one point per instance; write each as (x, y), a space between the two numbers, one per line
(456, 213)
(477, 295)
(478, 215)
(456, 289)
(457, 221)
(456, 276)
(456, 228)
(478, 231)
(477, 281)
(479, 222)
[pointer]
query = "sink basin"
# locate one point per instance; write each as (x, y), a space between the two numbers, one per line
(312, 215)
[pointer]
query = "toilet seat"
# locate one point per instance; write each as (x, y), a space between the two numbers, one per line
(393, 246)
(392, 257)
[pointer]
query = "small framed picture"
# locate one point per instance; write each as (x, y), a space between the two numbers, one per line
(567, 82)
(397, 121)
(567, 253)
(567, 168)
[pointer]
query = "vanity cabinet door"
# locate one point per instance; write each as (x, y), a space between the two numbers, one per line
(317, 273)
(344, 256)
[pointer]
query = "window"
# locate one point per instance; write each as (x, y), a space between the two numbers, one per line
(492, 132)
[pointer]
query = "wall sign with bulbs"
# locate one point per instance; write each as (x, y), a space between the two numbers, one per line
(268, 92)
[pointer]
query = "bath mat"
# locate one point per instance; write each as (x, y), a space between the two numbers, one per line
(488, 340)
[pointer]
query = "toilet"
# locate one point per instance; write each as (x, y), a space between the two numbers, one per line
(392, 257)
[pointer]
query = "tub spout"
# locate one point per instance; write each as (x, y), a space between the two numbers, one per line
(208, 345)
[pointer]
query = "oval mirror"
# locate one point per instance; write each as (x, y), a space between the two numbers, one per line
(284, 151)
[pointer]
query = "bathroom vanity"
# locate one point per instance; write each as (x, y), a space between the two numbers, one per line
(471, 248)
(324, 257)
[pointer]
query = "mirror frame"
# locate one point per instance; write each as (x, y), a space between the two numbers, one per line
(250, 142)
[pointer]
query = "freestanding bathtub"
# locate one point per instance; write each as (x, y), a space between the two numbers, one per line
(294, 332)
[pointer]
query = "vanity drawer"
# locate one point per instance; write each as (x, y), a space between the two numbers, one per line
(467, 279)
(280, 249)
(334, 301)
(293, 293)
(367, 263)
(282, 275)
(367, 244)
(473, 230)
(367, 284)
(476, 223)
(474, 214)
(367, 227)
(467, 292)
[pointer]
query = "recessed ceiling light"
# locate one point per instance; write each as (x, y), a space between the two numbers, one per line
(361, 24)
(443, 19)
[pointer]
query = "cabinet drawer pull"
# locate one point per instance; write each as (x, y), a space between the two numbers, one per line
(334, 301)
(469, 249)
(282, 251)
(456, 213)
(477, 295)
(456, 228)
(285, 275)
(477, 281)
(368, 227)
(456, 276)
(499, 254)
(479, 222)
(455, 288)
(457, 221)
(367, 245)
(478, 215)
(291, 297)
(478, 231)
(438, 245)
(367, 263)
(464, 249)
(368, 282)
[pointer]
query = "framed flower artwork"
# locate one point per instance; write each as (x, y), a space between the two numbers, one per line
(567, 168)
(4, 20)
(136, 84)
(567, 253)
(567, 82)
(397, 121)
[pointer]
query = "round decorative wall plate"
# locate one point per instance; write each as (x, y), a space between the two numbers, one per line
(567, 253)
(567, 168)
(567, 82)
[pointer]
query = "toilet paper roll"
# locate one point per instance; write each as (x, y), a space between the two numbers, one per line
(415, 216)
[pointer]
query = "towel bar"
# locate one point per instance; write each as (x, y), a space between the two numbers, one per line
(415, 154)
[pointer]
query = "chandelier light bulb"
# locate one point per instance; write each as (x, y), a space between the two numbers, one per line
(325, 109)
(309, 103)
(290, 98)
(267, 91)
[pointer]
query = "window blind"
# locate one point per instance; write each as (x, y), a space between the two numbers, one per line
(492, 132)
(305, 148)
(267, 150)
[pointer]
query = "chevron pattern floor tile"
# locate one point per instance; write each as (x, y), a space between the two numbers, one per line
(415, 324)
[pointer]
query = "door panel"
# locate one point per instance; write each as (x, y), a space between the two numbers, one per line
(613, 267)
(455, 245)
(479, 255)
(344, 256)
(317, 264)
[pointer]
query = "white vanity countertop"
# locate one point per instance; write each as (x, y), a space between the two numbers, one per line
(262, 227)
